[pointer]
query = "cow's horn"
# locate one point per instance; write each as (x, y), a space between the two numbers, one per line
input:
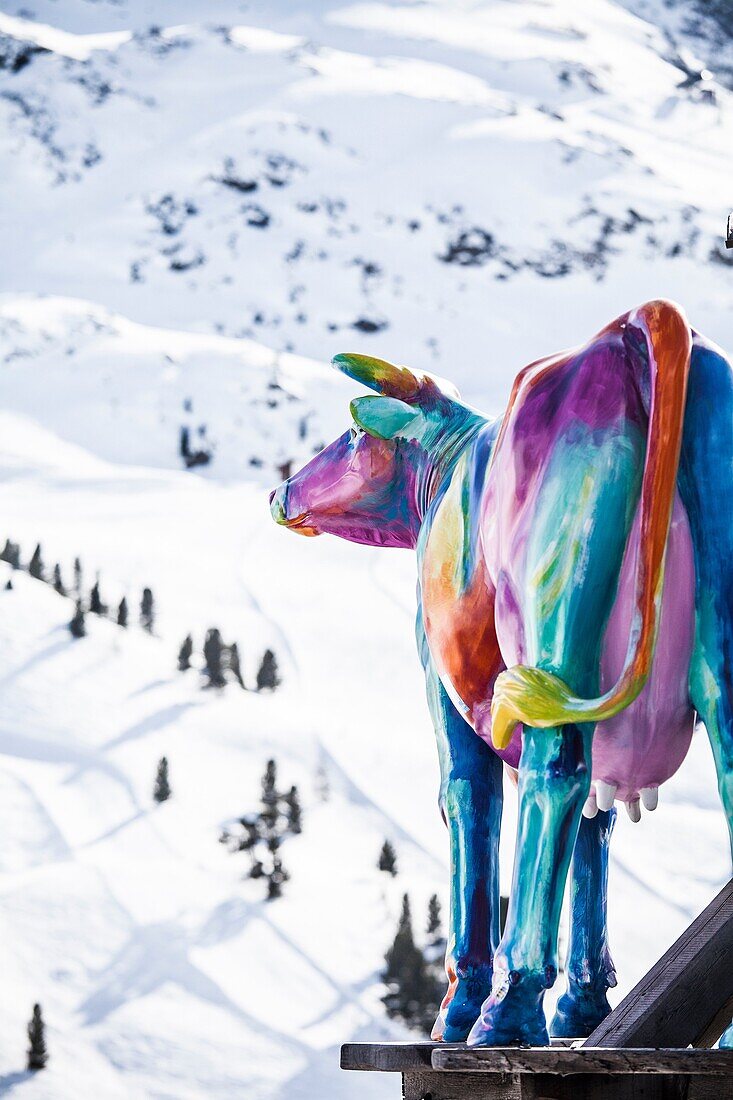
(390, 380)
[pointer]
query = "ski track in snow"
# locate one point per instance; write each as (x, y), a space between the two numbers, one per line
(199, 216)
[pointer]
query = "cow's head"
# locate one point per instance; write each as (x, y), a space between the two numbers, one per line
(372, 483)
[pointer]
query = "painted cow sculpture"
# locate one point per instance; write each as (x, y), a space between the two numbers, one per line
(575, 561)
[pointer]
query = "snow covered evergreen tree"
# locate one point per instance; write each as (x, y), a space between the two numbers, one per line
(414, 990)
(388, 859)
(78, 626)
(293, 811)
(434, 925)
(122, 613)
(162, 790)
(185, 653)
(214, 658)
(233, 664)
(58, 583)
(78, 576)
(37, 1050)
(277, 877)
(267, 676)
(11, 554)
(147, 610)
(96, 604)
(35, 565)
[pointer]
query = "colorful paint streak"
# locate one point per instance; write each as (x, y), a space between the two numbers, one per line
(575, 569)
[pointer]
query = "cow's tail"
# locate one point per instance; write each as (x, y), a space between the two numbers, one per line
(538, 697)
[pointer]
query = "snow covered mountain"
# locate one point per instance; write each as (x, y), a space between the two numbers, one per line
(201, 204)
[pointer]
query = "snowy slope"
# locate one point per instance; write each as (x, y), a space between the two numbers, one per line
(200, 207)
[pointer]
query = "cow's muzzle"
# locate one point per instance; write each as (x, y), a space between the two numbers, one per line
(279, 511)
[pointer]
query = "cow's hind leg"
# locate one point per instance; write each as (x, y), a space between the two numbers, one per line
(563, 589)
(590, 967)
(471, 804)
(706, 487)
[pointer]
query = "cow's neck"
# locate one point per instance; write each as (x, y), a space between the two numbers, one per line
(438, 456)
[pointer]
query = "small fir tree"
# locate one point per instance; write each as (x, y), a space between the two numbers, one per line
(147, 610)
(78, 576)
(267, 676)
(277, 877)
(35, 565)
(434, 926)
(96, 604)
(37, 1051)
(270, 800)
(58, 583)
(413, 988)
(78, 626)
(214, 658)
(162, 790)
(122, 613)
(185, 653)
(233, 663)
(294, 811)
(388, 859)
(8, 585)
(11, 554)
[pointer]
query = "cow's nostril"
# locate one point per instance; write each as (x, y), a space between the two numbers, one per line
(272, 495)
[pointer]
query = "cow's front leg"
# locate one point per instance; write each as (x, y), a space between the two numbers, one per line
(553, 785)
(591, 972)
(471, 805)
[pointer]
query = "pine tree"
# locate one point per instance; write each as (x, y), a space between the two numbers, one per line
(78, 576)
(276, 878)
(294, 811)
(37, 1051)
(35, 565)
(388, 859)
(213, 658)
(77, 626)
(267, 676)
(413, 987)
(185, 653)
(96, 605)
(162, 790)
(270, 799)
(122, 613)
(232, 659)
(8, 585)
(434, 926)
(58, 583)
(147, 611)
(11, 554)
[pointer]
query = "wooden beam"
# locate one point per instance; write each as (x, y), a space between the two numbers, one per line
(678, 1000)
(585, 1060)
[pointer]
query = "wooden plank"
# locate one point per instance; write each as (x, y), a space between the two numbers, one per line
(418, 1084)
(399, 1057)
(387, 1057)
(583, 1060)
(678, 999)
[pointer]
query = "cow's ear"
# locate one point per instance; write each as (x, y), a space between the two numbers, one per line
(384, 417)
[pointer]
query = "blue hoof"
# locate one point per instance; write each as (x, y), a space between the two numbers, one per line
(513, 1015)
(456, 1018)
(578, 1013)
(726, 1039)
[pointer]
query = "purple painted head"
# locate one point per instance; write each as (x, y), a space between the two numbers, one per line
(372, 484)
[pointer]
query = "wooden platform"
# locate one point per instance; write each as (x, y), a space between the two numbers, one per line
(653, 1046)
(441, 1071)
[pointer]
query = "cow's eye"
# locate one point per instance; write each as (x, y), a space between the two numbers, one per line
(356, 432)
